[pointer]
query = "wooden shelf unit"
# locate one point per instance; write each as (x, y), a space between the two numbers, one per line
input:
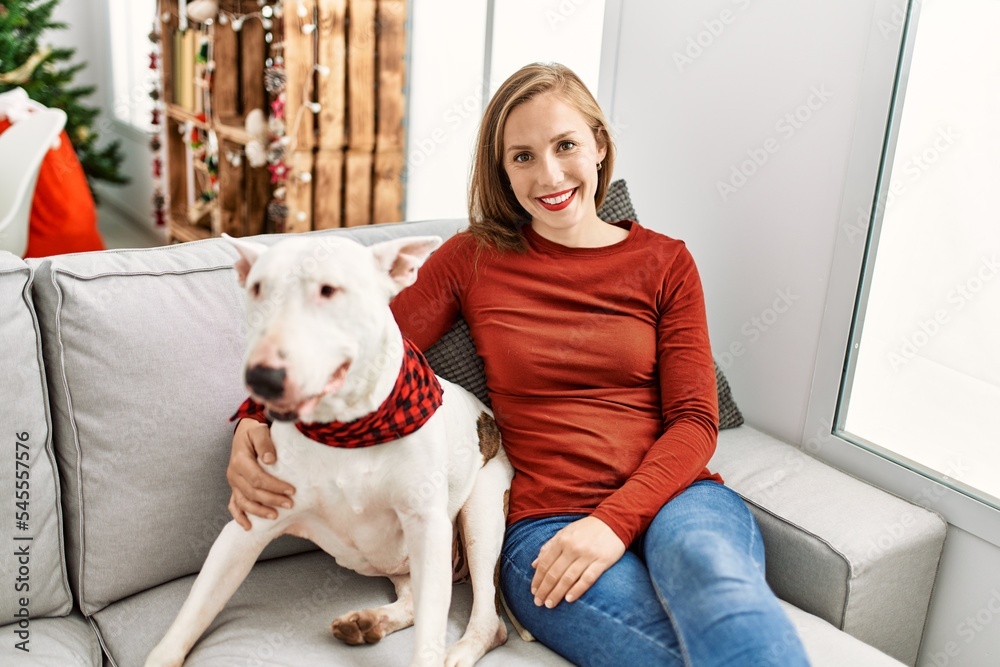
(345, 162)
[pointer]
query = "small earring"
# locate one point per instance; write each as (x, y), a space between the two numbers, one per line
(599, 165)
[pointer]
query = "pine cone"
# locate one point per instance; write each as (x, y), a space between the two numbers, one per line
(274, 79)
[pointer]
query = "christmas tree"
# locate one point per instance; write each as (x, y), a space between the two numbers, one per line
(46, 75)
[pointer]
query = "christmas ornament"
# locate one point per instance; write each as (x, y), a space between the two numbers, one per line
(201, 11)
(274, 79)
(23, 73)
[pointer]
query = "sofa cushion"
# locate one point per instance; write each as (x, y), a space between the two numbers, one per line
(617, 203)
(827, 646)
(28, 475)
(839, 548)
(143, 351)
(54, 642)
(281, 615)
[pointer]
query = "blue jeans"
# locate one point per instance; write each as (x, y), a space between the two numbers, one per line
(689, 591)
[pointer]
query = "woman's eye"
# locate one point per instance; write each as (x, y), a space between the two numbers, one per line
(522, 157)
(567, 145)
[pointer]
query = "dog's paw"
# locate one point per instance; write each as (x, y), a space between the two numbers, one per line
(360, 627)
(475, 644)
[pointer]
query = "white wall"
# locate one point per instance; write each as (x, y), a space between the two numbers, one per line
(89, 34)
(445, 104)
(704, 88)
(447, 91)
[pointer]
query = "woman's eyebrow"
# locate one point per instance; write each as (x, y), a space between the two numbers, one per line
(558, 137)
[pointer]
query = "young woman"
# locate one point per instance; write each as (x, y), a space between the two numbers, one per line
(621, 547)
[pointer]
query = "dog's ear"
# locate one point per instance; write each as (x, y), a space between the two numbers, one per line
(400, 258)
(249, 253)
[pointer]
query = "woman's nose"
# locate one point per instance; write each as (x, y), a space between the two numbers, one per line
(551, 171)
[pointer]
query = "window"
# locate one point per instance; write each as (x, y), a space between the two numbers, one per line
(132, 77)
(922, 382)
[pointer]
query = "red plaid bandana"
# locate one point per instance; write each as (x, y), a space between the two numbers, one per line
(415, 397)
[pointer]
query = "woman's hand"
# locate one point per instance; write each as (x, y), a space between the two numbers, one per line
(570, 562)
(254, 491)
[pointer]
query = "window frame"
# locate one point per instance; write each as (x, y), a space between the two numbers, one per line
(886, 70)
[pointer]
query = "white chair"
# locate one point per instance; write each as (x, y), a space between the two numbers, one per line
(23, 146)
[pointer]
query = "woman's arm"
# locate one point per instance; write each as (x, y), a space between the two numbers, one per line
(570, 563)
(254, 491)
(689, 405)
(429, 307)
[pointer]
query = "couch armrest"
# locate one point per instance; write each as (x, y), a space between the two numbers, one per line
(858, 557)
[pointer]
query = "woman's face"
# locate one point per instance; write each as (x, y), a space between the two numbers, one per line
(550, 156)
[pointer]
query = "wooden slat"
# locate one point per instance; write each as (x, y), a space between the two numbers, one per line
(225, 77)
(181, 231)
(176, 166)
(258, 194)
(387, 204)
(230, 199)
(332, 87)
(252, 50)
(167, 28)
(299, 194)
(387, 191)
(327, 203)
(361, 42)
(182, 114)
(298, 66)
(358, 188)
(361, 77)
(391, 73)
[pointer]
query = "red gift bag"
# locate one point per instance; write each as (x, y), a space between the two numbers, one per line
(63, 214)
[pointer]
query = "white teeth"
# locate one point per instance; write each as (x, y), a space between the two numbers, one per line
(552, 201)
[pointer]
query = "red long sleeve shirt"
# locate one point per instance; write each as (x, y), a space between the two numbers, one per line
(598, 367)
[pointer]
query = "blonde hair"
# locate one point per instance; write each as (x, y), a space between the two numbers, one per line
(495, 216)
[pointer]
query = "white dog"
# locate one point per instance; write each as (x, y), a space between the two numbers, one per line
(324, 354)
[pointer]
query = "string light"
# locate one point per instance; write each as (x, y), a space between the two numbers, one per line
(289, 139)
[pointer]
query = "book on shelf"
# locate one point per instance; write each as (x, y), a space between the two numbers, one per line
(189, 68)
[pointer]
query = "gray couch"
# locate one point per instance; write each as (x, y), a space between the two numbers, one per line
(120, 371)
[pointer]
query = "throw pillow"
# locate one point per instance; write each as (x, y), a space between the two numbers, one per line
(454, 356)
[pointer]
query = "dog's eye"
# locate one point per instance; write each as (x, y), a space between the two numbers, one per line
(255, 289)
(327, 291)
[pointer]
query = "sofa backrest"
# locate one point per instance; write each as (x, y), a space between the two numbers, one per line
(31, 560)
(143, 350)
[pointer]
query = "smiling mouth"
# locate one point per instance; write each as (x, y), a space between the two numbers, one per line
(557, 201)
(303, 410)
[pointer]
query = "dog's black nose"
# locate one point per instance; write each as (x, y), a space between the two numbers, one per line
(268, 383)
